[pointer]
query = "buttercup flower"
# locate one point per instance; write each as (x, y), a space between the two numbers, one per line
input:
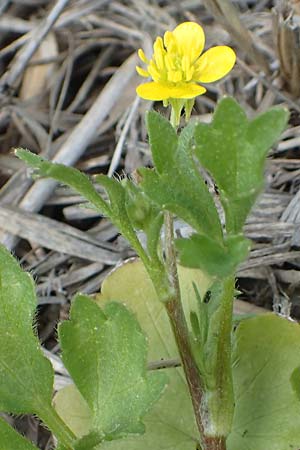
(177, 66)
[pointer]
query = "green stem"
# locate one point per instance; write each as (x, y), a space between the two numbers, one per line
(61, 431)
(220, 399)
(213, 408)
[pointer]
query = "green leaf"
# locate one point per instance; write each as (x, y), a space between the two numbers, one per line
(144, 215)
(12, 440)
(130, 284)
(168, 425)
(266, 374)
(70, 405)
(116, 194)
(215, 259)
(138, 206)
(81, 183)
(177, 185)
(163, 141)
(233, 149)
(26, 376)
(67, 175)
(295, 381)
(111, 370)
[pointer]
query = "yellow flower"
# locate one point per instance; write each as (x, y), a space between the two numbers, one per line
(177, 66)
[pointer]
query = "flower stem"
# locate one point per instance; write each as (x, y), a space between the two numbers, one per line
(215, 443)
(221, 402)
(220, 406)
(180, 329)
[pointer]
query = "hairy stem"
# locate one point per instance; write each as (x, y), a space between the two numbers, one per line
(222, 407)
(180, 328)
(215, 443)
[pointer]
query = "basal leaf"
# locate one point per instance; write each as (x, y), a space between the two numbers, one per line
(72, 407)
(233, 150)
(170, 424)
(26, 376)
(12, 440)
(167, 424)
(110, 372)
(215, 259)
(132, 285)
(295, 381)
(266, 371)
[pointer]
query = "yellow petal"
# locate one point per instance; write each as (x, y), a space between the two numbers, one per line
(142, 72)
(158, 91)
(190, 39)
(142, 56)
(215, 64)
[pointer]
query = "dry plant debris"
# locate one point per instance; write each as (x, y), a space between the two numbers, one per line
(67, 92)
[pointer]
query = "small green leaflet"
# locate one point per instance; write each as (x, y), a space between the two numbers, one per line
(233, 149)
(68, 175)
(114, 208)
(213, 258)
(105, 352)
(176, 184)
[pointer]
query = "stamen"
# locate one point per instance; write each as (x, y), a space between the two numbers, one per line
(175, 76)
(154, 72)
(170, 42)
(142, 56)
(170, 61)
(159, 52)
(142, 72)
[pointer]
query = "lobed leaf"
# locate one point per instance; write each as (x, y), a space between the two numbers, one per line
(213, 258)
(233, 149)
(115, 209)
(105, 352)
(170, 423)
(177, 185)
(67, 175)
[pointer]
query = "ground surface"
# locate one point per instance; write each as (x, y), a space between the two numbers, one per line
(86, 56)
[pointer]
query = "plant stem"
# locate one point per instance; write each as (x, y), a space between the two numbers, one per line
(221, 404)
(220, 408)
(61, 431)
(180, 329)
(215, 443)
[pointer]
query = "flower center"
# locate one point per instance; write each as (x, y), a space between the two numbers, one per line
(168, 64)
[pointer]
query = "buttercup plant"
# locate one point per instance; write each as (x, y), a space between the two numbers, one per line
(175, 300)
